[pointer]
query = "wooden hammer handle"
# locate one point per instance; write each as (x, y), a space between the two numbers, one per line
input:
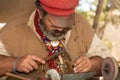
(16, 76)
(53, 56)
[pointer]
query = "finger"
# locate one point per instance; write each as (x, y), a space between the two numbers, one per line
(79, 60)
(82, 69)
(25, 70)
(77, 70)
(29, 67)
(38, 59)
(85, 69)
(79, 66)
(34, 64)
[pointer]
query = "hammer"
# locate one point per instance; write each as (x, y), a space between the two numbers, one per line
(65, 50)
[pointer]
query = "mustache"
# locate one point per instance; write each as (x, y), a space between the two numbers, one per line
(57, 33)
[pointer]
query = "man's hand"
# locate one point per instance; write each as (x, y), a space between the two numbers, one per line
(28, 63)
(82, 64)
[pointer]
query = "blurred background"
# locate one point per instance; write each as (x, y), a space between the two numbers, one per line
(104, 17)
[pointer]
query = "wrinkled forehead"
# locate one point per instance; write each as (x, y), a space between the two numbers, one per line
(62, 21)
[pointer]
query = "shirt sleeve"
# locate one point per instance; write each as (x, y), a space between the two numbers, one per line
(98, 48)
(3, 51)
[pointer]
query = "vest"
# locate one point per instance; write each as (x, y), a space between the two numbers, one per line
(19, 39)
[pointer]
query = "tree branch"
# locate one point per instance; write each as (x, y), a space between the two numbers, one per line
(98, 11)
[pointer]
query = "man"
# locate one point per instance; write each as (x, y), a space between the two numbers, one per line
(22, 46)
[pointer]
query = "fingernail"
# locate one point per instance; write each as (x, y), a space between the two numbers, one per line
(43, 62)
(75, 64)
(33, 57)
(74, 69)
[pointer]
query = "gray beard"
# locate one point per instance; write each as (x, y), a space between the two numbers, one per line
(49, 35)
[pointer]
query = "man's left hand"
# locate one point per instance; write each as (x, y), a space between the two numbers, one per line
(82, 64)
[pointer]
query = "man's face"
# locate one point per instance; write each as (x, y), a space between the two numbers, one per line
(53, 32)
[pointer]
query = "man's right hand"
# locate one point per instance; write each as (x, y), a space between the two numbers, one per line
(28, 63)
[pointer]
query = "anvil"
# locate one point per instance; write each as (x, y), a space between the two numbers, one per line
(78, 76)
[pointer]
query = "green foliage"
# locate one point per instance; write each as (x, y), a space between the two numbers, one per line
(108, 43)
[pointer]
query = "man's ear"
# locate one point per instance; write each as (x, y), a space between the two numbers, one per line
(40, 13)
